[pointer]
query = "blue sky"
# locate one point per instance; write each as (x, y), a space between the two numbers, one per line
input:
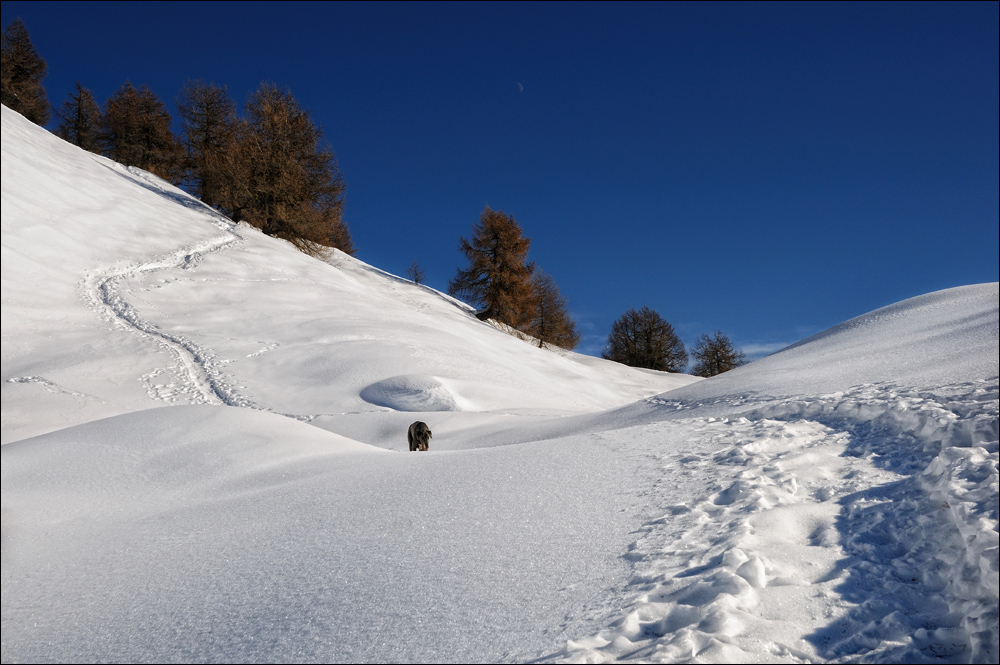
(764, 169)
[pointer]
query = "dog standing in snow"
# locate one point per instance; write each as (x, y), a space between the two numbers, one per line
(419, 436)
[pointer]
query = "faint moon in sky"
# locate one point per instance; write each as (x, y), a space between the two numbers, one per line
(520, 88)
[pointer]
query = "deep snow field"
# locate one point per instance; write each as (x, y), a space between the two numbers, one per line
(204, 459)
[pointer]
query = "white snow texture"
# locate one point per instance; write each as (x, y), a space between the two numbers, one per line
(836, 501)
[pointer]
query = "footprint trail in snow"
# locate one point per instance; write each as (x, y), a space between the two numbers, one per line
(865, 516)
(195, 377)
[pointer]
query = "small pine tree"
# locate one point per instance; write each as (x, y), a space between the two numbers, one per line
(715, 355)
(80, 120)
(416, 273)
(498, 279)
(644, 339)
(550, 321)
(21, 74)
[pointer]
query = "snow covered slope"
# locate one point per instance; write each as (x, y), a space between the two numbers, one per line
(834, 502)
(938, 338)
(203, 311)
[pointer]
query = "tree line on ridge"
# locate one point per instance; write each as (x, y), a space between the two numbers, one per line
(268, 166)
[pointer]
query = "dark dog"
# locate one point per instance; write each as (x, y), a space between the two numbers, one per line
(419, 436)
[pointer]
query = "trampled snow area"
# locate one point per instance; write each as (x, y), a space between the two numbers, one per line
(836, 501)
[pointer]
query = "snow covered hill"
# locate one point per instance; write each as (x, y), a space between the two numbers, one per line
(208, 312)
(834, 502)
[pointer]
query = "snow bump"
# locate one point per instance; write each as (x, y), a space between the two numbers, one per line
(411, 392)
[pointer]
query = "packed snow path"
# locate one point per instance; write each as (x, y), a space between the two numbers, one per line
(199, 379)
(867, 516)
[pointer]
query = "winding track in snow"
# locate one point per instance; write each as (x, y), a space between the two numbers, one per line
(199, 370)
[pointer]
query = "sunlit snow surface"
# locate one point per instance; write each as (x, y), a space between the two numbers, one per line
(834, 502)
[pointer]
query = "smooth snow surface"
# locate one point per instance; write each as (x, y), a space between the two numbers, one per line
(836, 501)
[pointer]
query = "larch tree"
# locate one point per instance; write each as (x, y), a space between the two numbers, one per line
(277, 175)
(136, 132)
(416, 273)
(715, 354)
(80, 120)
(644, 339)
(550, 322)
(208, 121)
(498, 278)
(21, 72)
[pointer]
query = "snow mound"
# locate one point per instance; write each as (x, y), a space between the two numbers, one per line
(411, 392)
(167, 456)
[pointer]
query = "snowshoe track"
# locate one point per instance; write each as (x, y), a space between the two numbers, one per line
(196, 368)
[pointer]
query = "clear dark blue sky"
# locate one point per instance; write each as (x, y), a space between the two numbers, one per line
(765, 169)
